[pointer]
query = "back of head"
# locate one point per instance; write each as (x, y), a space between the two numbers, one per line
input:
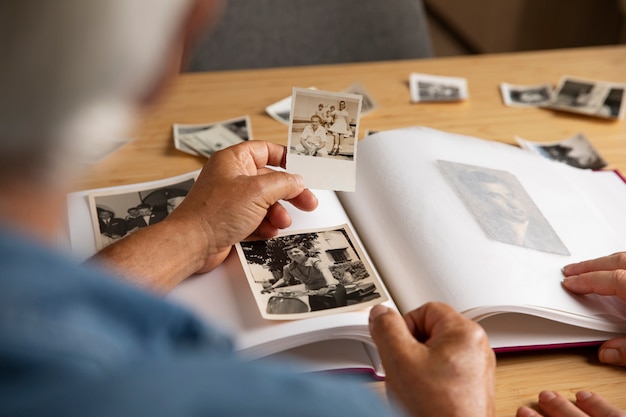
(74, 70)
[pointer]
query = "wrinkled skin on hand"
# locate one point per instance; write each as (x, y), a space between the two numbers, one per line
(587, 404)
(603, 276)
(235, 197)
(437, 362)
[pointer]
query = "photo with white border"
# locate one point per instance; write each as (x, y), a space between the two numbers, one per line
(591, 97)
(310, 273)
(433, 88)
(576, 151)
(525, 95)
(205, 139)
(323, 138)
(115, 215)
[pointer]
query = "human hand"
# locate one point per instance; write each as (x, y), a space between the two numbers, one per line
(603, 276)
(437, 362)
(236, 197)
(587, 404)
(322, 291)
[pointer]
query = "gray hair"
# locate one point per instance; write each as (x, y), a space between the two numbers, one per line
(73, 71)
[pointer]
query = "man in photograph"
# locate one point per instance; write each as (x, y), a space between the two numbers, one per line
(508, 216)
(111, 226)
(313, 138)
(324, 290)
(146, 216)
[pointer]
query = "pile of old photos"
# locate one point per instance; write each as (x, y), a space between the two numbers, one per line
(589, 97)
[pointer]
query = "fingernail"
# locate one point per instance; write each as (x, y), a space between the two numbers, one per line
(376, 311)
(546, 396)
(525, 412)
(610, 356)
(583, 395)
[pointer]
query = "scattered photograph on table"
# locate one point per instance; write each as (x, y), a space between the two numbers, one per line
(281, 110)
(576, 151)
(309, 273)
(525, 95)
(205, 139)
(594, 98)
(323, 138)
(368, 104)
(425, 87)
(116, 214)
(502, 207)
(100, 150)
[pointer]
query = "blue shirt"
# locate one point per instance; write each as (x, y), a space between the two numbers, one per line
(76, 342)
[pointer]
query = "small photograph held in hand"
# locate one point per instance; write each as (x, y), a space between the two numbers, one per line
(310, 273)
(323, 138)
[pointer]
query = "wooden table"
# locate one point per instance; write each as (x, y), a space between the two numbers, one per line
(211, 97)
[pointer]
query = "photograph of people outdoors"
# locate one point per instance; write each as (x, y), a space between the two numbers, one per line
(310, 273)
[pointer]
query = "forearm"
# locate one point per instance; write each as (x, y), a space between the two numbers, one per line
(157, 257)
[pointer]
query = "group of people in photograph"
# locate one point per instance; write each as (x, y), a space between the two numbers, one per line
(99, 338)
(326, 121)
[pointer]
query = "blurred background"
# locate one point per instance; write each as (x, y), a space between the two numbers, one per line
(461, 27)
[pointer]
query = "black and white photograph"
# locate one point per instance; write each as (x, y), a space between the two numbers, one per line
(426, 87)
(591, 97)
(309, 273)
(368, 103)
(280, 111)
(576, 151)
(115, 215)
(206, 139)
(526, 95)
(502, 207)
(323, 138)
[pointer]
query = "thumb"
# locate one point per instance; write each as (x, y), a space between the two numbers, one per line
(277, 185)
(391, 334)
(613, 352)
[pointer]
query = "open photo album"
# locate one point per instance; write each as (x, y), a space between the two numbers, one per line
(483, 226)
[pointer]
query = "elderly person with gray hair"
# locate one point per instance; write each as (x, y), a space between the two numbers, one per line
(91, 340)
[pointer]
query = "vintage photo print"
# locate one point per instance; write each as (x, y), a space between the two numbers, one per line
(368, 103)
(576, 151)
(594, 98)
(115, 214)
(526, 95)
(281, 110)
(310, 273)
(323, 138)
(206, 139)
(502, 207)
(425, 87)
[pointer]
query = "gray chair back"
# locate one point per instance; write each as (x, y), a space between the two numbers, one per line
(276, 33)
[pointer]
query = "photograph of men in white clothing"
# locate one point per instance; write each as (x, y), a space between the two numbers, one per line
(313, 138)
